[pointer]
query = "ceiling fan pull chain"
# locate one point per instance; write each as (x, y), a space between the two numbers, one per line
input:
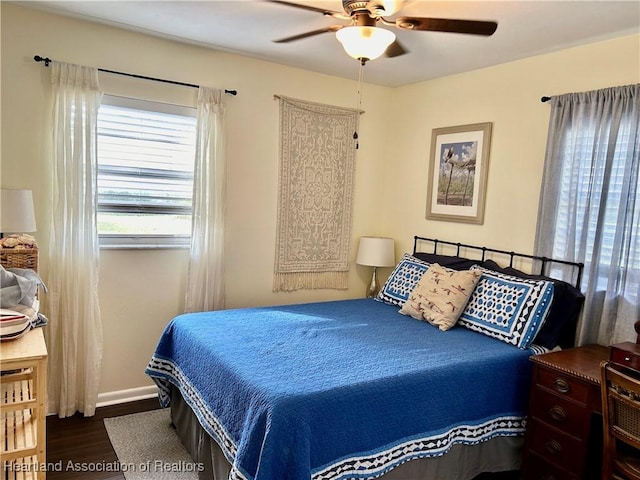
(360, 75)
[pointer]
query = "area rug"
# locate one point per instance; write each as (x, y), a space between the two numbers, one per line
(315, 202)
(148, 448)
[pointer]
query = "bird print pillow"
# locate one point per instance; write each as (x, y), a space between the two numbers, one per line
(440, 296)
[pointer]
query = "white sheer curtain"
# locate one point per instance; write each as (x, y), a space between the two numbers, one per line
(75, 329)
(205, 277)
(590, 205)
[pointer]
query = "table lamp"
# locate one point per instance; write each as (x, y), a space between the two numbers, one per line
(375, 252)
(16, 211)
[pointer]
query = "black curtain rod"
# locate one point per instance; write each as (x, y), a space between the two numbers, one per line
(47, 61)
(545, 99)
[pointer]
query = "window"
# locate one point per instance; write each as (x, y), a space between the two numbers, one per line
(146, 154)
(585, 183)
(590, 205)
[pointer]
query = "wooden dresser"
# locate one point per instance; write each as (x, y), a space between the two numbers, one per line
(23, 406)
(564, 432)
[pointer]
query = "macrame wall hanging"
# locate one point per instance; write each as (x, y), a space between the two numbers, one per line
(315, 201)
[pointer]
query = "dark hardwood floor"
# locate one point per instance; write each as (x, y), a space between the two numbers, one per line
(77, 442)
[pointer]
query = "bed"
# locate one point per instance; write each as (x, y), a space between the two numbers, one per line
(355, 389)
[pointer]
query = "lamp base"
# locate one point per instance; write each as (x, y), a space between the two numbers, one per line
(373, 289)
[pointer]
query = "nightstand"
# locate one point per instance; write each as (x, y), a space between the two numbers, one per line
(564, 426)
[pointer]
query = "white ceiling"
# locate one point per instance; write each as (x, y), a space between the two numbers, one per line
(248, 27)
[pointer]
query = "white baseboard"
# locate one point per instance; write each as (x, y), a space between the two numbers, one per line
(129, 395)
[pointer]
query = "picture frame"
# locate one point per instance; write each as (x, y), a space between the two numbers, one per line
(457, 182)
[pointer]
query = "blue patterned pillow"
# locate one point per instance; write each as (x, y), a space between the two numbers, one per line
(402, 280)
(509, 308)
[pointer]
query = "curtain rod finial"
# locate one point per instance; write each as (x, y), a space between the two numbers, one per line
(46, 60)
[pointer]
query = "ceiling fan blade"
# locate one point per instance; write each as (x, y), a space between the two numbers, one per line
(395, 49)
(329, 13)
(473, 27)
(332, 28)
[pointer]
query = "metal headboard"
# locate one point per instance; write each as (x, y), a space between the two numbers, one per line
(544, 261)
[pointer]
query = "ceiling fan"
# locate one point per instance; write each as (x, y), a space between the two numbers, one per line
(364, 40)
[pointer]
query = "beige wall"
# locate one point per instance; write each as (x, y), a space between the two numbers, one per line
(507, 95)
(141, 290)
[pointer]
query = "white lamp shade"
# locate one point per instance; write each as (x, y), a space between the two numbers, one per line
(376, 252)
(365, 42)
(16, 211)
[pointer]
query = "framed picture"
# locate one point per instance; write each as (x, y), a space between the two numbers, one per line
(458, 173)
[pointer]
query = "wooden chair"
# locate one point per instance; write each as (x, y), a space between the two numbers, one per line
(621, 418)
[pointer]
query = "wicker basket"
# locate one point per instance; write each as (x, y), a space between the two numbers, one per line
(19, 258)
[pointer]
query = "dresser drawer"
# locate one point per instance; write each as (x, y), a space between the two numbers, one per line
(562, 429)
(563, 385)
(556, 447)
(539, 469)
(559, 412)
(627, 355)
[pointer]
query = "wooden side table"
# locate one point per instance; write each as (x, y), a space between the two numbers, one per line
(563, 438)
(23, 406)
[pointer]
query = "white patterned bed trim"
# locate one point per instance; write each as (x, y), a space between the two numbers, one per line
(171, 372)
(537, 349)
(379, 463)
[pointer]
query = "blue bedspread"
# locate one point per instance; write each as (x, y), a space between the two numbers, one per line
(337, 390)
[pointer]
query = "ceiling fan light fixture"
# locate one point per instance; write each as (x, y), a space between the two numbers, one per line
(365, 43)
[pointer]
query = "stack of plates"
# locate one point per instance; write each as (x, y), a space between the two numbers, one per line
(13, 324)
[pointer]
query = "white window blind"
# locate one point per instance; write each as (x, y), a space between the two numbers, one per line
(146, 156)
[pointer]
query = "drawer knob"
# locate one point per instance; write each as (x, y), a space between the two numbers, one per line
(561, 385)
(557, 413)
(553, 447)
